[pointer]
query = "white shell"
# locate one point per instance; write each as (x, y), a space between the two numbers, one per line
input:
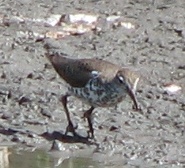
(171, 88)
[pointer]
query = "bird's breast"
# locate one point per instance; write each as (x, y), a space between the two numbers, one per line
(99, 94)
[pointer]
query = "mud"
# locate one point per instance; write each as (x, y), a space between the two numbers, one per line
(31, 114)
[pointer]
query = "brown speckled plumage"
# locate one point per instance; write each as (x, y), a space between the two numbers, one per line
(97, 82)
(77, 72)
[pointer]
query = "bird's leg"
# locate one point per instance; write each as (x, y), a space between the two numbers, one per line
(70, 127)
(87, 115)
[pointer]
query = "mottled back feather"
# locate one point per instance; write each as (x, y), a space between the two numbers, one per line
(77, 72)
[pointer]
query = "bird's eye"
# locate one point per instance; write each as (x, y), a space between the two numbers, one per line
(121, 79)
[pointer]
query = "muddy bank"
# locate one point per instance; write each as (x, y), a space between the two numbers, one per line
(30, 89)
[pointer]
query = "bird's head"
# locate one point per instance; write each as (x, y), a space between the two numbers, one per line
(129, 80)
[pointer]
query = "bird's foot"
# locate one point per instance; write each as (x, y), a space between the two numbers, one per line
(90, 134)
(71, 128)
(137, 108)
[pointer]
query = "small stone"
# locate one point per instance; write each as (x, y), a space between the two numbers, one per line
(23, 100)
(57, 146)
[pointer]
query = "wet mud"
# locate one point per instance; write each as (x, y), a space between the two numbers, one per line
(31, 114)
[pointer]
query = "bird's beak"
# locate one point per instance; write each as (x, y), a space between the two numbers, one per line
(132, 95)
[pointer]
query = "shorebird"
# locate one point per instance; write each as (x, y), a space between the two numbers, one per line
(96, 82)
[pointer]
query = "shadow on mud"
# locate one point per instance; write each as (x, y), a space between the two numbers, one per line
(66, 138)
(51, 136)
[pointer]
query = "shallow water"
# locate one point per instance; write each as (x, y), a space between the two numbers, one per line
(16, 158)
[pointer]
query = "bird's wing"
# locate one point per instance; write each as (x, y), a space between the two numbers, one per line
(77, 72)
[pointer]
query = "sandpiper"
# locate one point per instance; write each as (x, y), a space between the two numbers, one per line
(96, 82)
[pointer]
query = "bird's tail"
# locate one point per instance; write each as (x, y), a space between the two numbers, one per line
(52, 52)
